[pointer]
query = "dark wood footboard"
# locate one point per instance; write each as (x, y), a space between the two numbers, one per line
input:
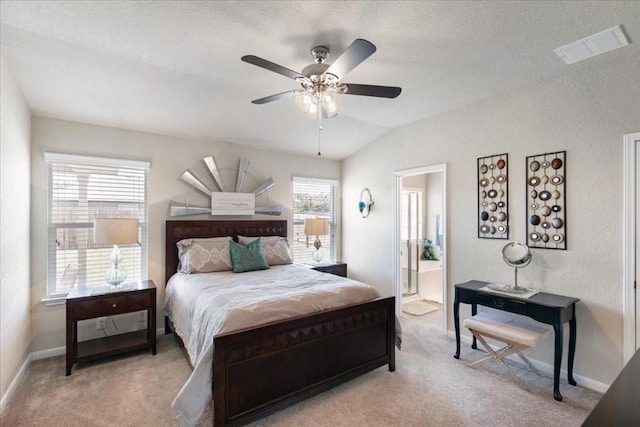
(261, 370)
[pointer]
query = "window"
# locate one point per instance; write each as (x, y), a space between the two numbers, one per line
(313, 198)
(80, 190)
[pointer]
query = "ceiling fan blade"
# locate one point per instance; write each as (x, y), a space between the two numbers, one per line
(357, 52)
(372, 90)
(268, 65)
(275, 97)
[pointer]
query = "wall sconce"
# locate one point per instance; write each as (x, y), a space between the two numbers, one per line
(366, 201)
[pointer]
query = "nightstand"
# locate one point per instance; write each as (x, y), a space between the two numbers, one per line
(84, 303)
(334, 267)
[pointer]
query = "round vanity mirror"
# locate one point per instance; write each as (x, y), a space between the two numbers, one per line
(516, 254)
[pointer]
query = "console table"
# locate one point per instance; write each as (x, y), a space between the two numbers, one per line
(547, 308)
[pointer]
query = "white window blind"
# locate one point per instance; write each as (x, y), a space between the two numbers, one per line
(313, 198)
(81, 189)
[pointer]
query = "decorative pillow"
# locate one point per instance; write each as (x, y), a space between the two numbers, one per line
(275, 248)
(247, 258)
(204, 255)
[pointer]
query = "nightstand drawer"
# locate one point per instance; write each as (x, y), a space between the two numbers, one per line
(136, 302)
(99, 307)
(110, 305)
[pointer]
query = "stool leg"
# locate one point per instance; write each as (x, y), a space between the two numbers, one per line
(498, 355)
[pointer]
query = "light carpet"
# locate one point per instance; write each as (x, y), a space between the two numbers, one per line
(428, 388)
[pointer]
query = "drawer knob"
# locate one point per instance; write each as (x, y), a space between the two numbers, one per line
(114, 305)
(498, 304)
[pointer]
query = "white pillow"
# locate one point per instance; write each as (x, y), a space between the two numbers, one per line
(275, 248)
(204, 255)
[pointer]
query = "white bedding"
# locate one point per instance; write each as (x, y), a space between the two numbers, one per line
(207, 304)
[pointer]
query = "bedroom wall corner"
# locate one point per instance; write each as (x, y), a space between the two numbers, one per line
(15, 147)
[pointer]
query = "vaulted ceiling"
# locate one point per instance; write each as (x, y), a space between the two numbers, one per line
(174, 68)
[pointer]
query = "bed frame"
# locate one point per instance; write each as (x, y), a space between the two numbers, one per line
(260, 370)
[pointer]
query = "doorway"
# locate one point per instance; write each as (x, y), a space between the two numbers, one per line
(420, 243)
(631, 242)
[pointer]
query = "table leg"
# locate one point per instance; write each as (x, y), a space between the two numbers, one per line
(474, 311)
(456, 324)
(557, 361)
(572, 347)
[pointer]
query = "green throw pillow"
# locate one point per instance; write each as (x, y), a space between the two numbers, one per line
(247, 258)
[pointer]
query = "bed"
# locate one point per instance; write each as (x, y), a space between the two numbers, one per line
(261, 369)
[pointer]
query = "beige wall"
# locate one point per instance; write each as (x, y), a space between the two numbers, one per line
(15, 149)
(169, 157)
(586, 114)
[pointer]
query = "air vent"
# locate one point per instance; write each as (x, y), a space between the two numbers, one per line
(593, 45)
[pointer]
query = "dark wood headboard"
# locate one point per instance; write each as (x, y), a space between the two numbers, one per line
(181, 229)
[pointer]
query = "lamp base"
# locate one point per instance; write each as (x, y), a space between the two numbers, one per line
(317, 256)
(115, 276)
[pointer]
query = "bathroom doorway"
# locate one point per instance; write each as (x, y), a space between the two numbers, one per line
(420, 244)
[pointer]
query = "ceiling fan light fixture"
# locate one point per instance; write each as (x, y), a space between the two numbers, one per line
(307, 102)
(331, 103)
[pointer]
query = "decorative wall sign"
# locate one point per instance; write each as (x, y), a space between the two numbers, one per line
(546, 205)
(222, 201)
(233, 203)
(493, 197)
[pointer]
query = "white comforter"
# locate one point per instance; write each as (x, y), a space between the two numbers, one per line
(207, 304)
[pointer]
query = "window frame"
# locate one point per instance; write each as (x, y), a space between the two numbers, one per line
(330, 242)
(96, 163)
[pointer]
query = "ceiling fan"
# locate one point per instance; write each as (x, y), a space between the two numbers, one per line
(321, 83)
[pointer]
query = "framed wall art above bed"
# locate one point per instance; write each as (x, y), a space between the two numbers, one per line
(493, 197)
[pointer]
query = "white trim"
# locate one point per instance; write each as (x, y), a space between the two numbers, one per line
(630, 192)
(395, 256)
(95, 161)
(50, 302)
(52, 352)
(313, 180)
(14, 384)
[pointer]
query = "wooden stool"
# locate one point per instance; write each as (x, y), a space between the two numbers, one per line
(515, 334)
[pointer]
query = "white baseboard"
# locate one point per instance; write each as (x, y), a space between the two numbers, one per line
(45, 354)
(545, 368)
(14, 384)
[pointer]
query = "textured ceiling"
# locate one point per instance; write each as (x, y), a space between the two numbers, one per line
(174, 68)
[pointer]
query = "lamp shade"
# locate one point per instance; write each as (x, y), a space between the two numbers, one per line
(316, 227)
(115, 231)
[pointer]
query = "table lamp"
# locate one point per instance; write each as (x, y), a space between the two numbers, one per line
(115, 231)
(317, 227)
